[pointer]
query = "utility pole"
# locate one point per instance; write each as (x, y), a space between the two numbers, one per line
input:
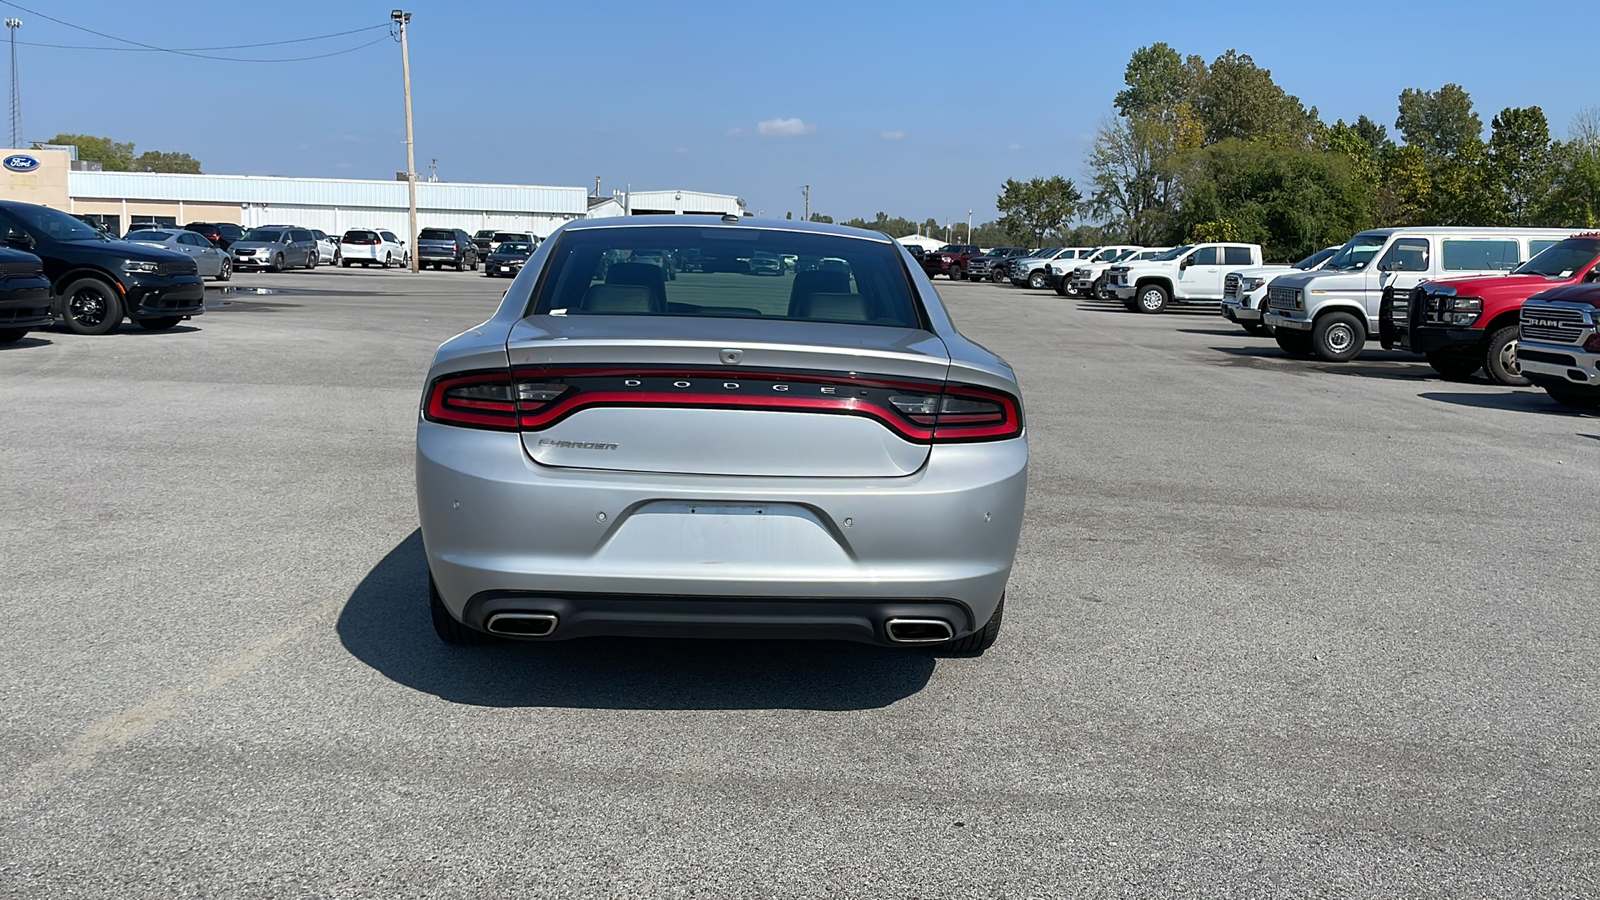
(433, 170)
(807, 191)
(16, 89)
(969, 226)
(402, 18)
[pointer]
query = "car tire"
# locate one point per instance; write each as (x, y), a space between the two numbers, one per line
(1097, 290)
(1152, 298)
(91, 306)
(447, 628)
(11, 335)
(982, 639)
(474, 265)
(388, 260)
(277, 263)
(160, 323)
(1255, 328)
(996, 276)
(1338, 337)
(1576, 401)
(311, 261)
(1130, 305)
(957, 275)
(1454, 366)
(225, 271)
(1295, 343)
(461, 264)
(344, 263)
(1036, 280)
(1500, 359)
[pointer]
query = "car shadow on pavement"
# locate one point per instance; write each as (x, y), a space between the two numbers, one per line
(1513, 401)
(26, 341)
(385, 624)
(1384, 364)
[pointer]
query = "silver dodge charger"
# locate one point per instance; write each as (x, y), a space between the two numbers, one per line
(818, 455)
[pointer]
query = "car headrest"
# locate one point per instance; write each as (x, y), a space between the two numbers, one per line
(634, 273)
(619, 300)
(816, 282)
(843, 307)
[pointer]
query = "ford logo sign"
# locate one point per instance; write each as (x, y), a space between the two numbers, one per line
(21, 162)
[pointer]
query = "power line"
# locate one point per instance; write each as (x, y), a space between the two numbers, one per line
(152, 47)
(320, 37)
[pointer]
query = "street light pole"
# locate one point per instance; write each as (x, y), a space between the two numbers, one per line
(403, 19)
(16, 90)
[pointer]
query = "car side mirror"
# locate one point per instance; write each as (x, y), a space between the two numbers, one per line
(20, 239)
(1592, 276)
(1186, 262)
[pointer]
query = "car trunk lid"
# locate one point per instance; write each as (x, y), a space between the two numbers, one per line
(725, 396)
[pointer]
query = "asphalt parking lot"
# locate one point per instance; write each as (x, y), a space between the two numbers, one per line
(1277, 629)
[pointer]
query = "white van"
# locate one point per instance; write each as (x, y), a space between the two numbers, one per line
(1332, 311)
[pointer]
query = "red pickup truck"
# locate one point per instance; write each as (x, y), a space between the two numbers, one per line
(1466, 324)
(951, 259)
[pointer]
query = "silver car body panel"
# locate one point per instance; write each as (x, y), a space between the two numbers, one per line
(712, 503)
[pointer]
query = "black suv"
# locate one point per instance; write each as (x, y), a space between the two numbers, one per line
(24, 295)
(440, 247)
(992, 265)
(96, 281)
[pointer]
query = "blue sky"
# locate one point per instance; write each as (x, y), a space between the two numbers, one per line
(916, 109)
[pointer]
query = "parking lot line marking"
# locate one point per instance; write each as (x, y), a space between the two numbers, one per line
(117, 731)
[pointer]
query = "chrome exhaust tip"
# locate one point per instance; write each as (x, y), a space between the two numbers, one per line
(521, 624)
(918, 631)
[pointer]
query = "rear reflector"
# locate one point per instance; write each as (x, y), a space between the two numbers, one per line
(533, 400)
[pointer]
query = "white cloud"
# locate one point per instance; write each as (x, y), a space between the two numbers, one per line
(893, 135)
(784, 128)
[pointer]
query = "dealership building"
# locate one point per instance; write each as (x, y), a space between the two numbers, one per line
(118, 200)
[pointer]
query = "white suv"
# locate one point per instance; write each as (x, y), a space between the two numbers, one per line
(1191, 274)
(373, 246)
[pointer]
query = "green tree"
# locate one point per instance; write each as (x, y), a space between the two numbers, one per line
(1441, 122)
(112, 156)
(1291, 201)
(1038, 206)
(1133, 167)
(157, 161)
(1239, 99)
(1406, 194)
(1160, 82)
(1521, 163)
(819, 217)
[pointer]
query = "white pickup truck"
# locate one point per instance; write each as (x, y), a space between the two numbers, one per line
(1188, 274)
(1089, 278)
(1244, 293)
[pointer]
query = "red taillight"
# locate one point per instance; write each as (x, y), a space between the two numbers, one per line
(970, 413)
(533, 400)
(473, 400)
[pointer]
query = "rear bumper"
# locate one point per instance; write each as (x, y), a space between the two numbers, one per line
(598, 615)
(497, 524)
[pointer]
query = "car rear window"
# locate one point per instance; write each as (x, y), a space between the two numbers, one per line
(706, 271)
(436, 234)
(510, 236)
(361, 236)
